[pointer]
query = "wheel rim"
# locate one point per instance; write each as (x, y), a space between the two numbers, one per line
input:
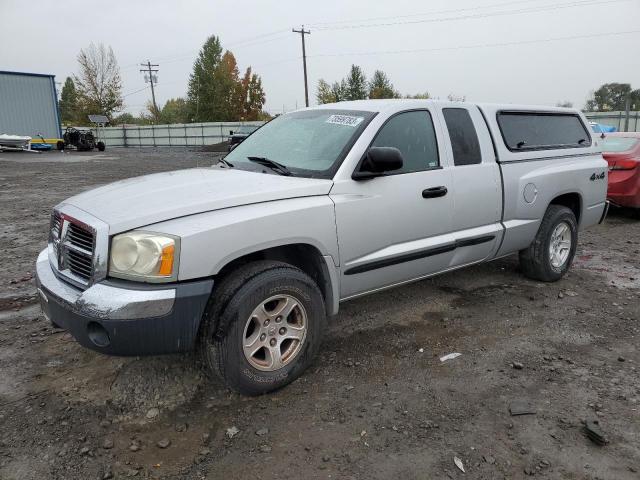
(560, 245)
(274, 333)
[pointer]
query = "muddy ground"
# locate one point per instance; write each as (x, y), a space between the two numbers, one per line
(377, 403)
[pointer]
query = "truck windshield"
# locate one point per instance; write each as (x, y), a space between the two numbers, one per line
(309, 143)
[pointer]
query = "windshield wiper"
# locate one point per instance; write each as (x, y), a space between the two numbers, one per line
(226, 162)
(272, 164)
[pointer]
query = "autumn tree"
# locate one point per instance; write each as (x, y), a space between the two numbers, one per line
(98, 84)
(381, 87)
(68, 104)
(325, 93)
(216, 91)
(252, 96)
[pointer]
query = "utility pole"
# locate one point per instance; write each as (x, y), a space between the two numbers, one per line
(627, 112)
(149, 75)
(302, 33)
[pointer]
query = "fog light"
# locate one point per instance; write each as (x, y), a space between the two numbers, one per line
(98, 334)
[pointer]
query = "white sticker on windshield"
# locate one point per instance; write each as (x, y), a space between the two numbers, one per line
(347, 120)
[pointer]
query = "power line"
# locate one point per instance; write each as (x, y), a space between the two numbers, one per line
(536, 9)
(302, 33)
(485, 45)
(321, 25)
(131, 93)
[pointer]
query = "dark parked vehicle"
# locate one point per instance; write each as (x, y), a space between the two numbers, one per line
(238, 136)
(82, 139)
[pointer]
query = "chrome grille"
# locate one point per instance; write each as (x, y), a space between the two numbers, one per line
(80, 238)
(73, 245)
(54, 237)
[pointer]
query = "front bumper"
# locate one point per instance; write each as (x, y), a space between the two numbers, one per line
(124, 318)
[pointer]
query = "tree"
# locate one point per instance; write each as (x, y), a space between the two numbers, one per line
(420, 96)
(381, 87)
(175, 110)
(68, 102)
(565, 104)
(613, 97)
(339, 90)
(356, 84)
(325, 93)
(216, 91)
(252, 96)
(125, 118)
(201, 82)
(99, 86)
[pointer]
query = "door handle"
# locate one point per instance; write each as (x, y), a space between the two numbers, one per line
(434, 192)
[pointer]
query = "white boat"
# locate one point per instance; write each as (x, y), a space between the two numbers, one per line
(14, 141)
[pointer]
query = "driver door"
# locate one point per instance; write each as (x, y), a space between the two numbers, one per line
(397, 227)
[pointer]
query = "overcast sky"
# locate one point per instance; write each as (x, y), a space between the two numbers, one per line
(535, 51)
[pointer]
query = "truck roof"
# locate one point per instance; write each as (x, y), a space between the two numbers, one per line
(391, 105)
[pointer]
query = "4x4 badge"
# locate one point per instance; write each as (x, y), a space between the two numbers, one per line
(596, 176)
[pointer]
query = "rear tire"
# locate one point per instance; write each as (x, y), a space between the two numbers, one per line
(101, 146)
(242, 316)
(551, 253)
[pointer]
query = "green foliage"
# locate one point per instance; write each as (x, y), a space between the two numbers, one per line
(216, 91)
(325, 93)
(356, 84)
(339, 90)
(613, 97)
(175, 110)
(381, 87)
(356, 87)
(420, 96)
(128, 119)
(68, 102)
(98, 85)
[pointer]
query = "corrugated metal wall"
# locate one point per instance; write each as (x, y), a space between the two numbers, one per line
(28, 105)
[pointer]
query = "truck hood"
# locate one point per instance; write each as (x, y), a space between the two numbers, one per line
(141, 201)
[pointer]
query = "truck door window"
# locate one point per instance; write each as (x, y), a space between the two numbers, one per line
(413, 134)
(464, 139)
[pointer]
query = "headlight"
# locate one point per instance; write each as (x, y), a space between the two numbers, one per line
(143, 256)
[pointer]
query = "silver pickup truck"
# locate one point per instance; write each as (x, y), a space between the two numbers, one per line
(246, 260)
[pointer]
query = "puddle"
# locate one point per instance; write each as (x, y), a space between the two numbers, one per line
(617, 272)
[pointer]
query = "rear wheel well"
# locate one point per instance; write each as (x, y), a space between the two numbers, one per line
(301, 255)
(572, 201)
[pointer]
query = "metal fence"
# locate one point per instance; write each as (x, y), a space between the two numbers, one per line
(174, 135)
(617, 119)
(199, 134)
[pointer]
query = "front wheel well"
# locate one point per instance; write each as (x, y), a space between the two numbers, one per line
(301, 255)
(573, 201)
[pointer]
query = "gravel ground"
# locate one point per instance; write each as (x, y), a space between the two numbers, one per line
(377, 403)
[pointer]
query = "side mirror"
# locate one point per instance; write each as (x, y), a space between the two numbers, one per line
(378, 161)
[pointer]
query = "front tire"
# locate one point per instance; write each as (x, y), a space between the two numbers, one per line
(551, 253)
(263, 326)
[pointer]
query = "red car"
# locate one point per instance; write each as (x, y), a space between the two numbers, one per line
(622, 151)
